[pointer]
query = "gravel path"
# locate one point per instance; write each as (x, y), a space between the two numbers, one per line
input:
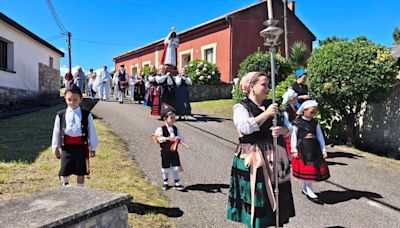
(362, 192)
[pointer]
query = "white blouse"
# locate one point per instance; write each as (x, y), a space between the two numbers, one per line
(73, 128)
(178, 80)
(244, 123)
(162, 139)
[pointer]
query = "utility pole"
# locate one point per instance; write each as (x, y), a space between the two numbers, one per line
(69, 53)
(285, 28)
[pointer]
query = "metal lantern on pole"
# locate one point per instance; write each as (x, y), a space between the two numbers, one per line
(271, 39)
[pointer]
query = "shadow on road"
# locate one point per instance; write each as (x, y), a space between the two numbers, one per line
(142, 209)
(343, 155)
(333, 197)
(207, 118)
(335, 163)
(354, 195)
(209, 188)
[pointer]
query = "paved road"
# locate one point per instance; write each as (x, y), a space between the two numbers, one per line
(362, 192)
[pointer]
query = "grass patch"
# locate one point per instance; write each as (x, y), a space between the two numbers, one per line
(27, 165)
(222, 108)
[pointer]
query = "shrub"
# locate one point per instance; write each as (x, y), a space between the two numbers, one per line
(203, 73)
(344, 75)
(260, 61)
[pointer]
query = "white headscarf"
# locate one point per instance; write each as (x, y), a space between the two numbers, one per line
(289, 95)
(306, 105)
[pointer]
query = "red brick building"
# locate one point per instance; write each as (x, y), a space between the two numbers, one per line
(225, 41)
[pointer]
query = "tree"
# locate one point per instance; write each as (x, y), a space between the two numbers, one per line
(260, 61)
(396, 35)
(330, 39)
(298, 57)
(345, 75)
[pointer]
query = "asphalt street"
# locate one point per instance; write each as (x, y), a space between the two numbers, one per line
(362, 192)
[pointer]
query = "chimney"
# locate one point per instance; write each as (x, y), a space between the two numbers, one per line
(292, 5)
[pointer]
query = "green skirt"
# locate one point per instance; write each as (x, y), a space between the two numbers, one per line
(239, 206)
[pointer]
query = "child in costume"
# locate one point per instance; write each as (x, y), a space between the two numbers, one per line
(308, 149)
(168, 136)
(290, 99)
(74, 138)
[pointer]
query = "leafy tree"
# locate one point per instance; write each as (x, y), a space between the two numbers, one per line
(330, 39)
(260, 61)
(298, 55)
(345, 75)
(396, 35)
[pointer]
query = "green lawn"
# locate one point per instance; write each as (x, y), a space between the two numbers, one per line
(222, 108)
(27, 165)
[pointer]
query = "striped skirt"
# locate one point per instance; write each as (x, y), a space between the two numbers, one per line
(239, 205)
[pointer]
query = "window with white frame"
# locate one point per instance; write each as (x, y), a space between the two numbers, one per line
(209, 53)
(185, 57)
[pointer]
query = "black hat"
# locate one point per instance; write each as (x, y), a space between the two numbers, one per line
(74, 89)
(122, 65)
(166, 110)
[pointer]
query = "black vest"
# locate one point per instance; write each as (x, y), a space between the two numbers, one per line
(121, 76)
(300, 90)
(84, 125)
(306, 127)
(166, 146)
(264, 134)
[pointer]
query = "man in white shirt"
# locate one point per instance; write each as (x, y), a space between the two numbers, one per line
(104, 84)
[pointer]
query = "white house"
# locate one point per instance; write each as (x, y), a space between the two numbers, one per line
(29, 66)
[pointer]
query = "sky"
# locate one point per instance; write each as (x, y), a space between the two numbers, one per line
(102, 29)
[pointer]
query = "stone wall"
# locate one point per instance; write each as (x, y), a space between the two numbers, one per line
(380, 130)
(49, 87)
(210, 92)
(49, 80)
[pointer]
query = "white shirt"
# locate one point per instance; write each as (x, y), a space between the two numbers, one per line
(178, 80)
(104, 76)
(170, 55)
(162, 139)
(320, 138)
(287, 122)
(73, 128)
(161, 79)
(244, 123)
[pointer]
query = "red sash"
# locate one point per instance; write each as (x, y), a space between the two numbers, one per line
(77, 140)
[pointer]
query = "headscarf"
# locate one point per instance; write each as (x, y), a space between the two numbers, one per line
(247, 80)
(289, 95)
(306, 105)
(299, 72)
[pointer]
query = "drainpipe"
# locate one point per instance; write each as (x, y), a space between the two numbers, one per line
(228, 18)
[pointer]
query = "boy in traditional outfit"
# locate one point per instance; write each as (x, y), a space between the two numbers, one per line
(168, 136)
(74, 138)
(308, 149)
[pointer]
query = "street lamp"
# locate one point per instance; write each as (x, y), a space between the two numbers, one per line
(271, 39)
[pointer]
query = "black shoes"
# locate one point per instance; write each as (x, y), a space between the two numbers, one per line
(165, 187)
(314, 200)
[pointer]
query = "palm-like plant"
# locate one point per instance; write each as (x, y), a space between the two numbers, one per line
(298, 55)
(396, 35)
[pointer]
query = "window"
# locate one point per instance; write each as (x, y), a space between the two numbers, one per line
(3, 55)
(134, 70)
(209, 53)
(51, 62)
(185, 57)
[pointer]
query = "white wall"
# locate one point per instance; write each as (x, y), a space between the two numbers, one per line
(27, 55)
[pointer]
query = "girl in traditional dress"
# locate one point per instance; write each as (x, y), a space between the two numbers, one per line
(308, 149)
(251, 197)
(289, 99)
(182, 99)
(166, 89)
(74, 136)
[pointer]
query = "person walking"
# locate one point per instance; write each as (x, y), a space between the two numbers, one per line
(104, 84)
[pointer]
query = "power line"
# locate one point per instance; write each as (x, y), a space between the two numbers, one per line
(56, 37)
(56, 18)
(103, 43)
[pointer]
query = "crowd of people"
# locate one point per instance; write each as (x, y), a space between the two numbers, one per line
(156, 90)
(300, 150)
